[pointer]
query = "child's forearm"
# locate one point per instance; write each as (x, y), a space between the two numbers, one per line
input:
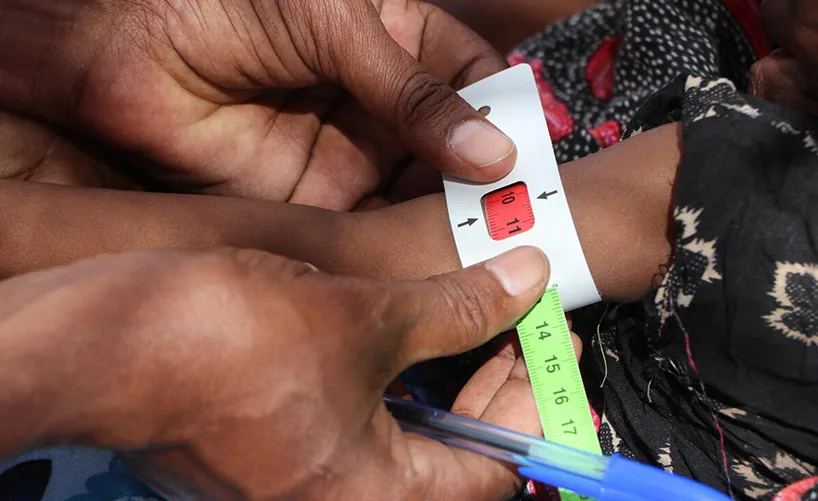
(43, 225)
(620, 200)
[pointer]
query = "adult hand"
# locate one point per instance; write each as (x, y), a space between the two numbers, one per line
(240, 97)
(33, 151)
(239, 374)
(789, 75)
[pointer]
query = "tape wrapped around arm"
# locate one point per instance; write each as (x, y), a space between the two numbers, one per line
(515, 108)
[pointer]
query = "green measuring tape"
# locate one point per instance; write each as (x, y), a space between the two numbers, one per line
(556, 380)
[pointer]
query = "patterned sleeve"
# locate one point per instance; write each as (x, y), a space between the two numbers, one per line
(722, 385)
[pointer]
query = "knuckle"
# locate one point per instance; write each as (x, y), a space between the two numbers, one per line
(211, 267)
(225, 281)
(171, 281)
(423, 100)
(465, 412)
(243, 264)
(231, 269)
(348, 189)
(246, 260)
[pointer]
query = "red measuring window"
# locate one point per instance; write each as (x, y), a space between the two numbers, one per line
(508, 211)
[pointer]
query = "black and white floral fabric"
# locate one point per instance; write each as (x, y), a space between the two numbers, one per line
(716, 375)
(597, 68)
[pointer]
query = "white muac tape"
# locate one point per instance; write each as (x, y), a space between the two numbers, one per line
(515, 109)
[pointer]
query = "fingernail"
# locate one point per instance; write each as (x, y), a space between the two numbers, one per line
(520, 270)
(480, 144)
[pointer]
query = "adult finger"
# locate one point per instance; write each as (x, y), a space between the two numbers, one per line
(511, 406)
(793, 24)
(351, 158)
(497, 381)
(455, 312)
(433, 122)
(779, 78)
(475, 396)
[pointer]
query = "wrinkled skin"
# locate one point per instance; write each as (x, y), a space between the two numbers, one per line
(306, 101)
(241, 375)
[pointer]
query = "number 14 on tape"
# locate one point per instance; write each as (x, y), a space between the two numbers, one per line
(556, 380)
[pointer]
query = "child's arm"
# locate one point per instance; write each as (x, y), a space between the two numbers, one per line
(620, 200)
(45, 225)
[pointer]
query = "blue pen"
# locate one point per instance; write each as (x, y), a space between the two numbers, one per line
(599, 477)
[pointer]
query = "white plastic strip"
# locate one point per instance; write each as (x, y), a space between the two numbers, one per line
(516, 110)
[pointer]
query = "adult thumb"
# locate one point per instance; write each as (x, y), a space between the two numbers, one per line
(456, 312)
(431, 119)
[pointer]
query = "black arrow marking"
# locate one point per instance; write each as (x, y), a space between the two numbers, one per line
(468, 222)
(547, 194)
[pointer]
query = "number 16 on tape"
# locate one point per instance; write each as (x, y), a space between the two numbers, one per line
(556, 380)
